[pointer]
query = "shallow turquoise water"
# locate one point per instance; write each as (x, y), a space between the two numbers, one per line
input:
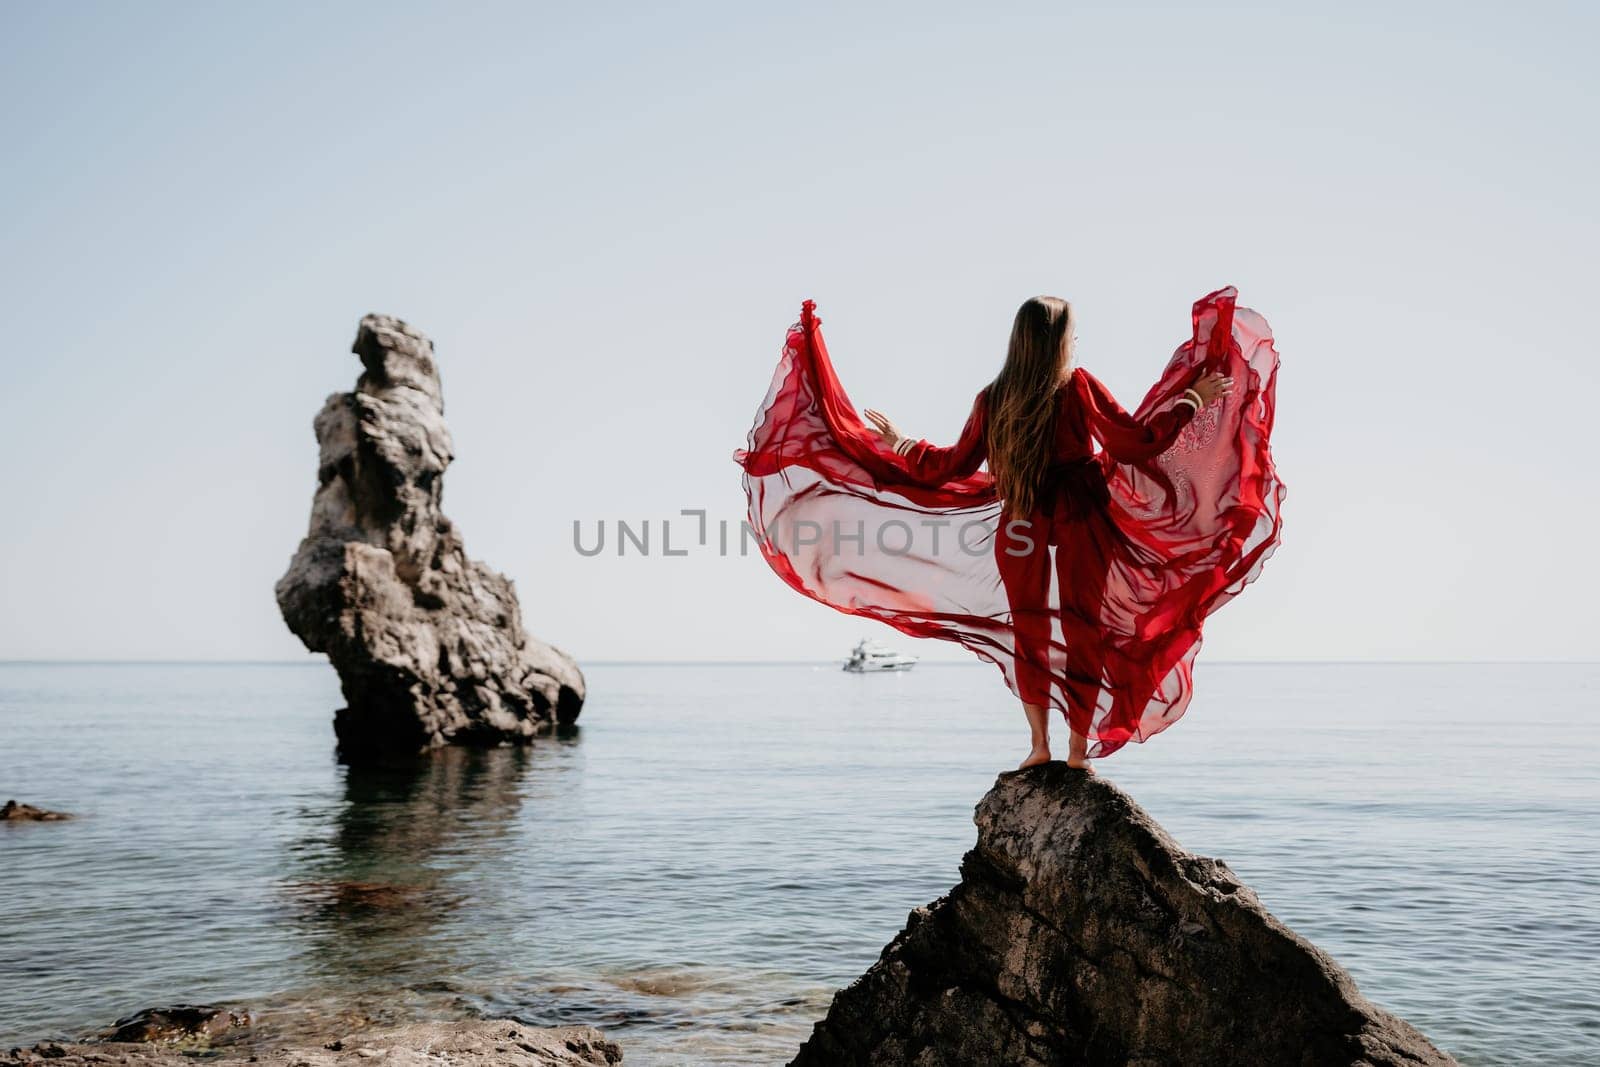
(722, 846)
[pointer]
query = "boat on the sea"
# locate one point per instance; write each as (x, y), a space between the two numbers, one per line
(869, 657)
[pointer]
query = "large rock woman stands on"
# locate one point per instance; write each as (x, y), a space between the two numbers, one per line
(1082, 935)
(428, 644)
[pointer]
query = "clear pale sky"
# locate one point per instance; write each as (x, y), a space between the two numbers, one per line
(606, 217)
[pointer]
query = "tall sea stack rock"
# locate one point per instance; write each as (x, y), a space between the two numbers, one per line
(1082, 934)
(428, 644)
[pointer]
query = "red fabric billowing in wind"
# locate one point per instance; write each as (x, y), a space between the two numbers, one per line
(1094, 603)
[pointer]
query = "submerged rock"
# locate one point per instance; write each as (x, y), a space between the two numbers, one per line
(1081, 933)
(428, 644)
(181, 1022)
(14, 812)
(481, 1041)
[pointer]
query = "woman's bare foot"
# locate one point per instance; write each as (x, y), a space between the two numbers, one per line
(1078, 753)
(1038, 735)
(1036, 757)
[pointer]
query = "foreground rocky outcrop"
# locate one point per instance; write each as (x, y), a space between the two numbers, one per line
(484, 1041)
(180, 1022)
(1082, 934)
(428, 644)
(14, 812)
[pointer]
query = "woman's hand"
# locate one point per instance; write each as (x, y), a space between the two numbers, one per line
(1213, 386)
(887, 430)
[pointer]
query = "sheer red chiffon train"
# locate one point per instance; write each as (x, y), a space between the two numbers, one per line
(1094, 603)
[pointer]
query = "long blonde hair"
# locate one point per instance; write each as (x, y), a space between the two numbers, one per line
(1022, 400)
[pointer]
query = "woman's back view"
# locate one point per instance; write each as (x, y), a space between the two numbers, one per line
(1085, 575)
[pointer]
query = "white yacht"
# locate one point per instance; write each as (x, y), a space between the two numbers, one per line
(870, 657)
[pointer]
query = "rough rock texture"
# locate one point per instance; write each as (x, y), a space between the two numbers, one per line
(428, 644)
(14, 812)
(488, 1041)
(1082, 934)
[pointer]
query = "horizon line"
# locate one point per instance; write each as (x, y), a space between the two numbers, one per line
(960, 662)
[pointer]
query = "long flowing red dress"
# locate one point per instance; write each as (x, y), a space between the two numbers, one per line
(1094, 603)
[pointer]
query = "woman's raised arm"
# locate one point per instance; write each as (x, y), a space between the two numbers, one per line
(930, 464)
(1125, 438)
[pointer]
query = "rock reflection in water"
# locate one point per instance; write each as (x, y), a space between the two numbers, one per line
(385, 887)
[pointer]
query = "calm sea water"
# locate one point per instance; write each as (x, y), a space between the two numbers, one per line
(720, 847)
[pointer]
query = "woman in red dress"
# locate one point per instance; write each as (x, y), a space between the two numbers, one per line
(1084, 574)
